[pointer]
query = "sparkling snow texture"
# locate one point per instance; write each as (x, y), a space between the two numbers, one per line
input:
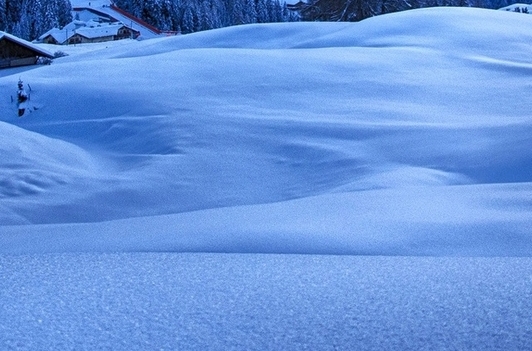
(135, 301)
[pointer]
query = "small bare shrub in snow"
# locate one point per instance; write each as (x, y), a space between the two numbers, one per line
(60, 53)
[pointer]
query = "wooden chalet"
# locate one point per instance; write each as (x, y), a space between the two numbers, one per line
(15, 51)
(79, 32)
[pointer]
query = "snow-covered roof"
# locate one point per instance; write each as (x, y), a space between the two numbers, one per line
(516, 5)
(86, 14)
(111, 13)
(59, 35)
(88, 30)
(87, 3)
(99, 31)
(26, 44)
(145, 29)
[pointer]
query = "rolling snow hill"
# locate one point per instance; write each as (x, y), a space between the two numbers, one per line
(403, 134)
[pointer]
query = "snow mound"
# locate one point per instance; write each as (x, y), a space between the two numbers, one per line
(479, 30)
(423, 108)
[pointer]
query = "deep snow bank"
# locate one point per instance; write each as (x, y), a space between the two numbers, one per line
(419, 108)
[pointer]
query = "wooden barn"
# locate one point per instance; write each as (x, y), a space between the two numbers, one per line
(19, 52)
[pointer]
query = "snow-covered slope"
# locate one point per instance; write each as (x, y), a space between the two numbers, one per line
(408, 133)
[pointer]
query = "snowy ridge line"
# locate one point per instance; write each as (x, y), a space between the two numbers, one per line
(339, 224)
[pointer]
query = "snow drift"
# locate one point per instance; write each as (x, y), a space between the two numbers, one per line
(403, 134)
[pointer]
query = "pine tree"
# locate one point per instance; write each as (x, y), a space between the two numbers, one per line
(213, 14)
(262, 11)
(250, 11)
(187, 23)
(64, 12)
(237, 12)
(2, 15)
(22, 27)
(168, 15)
(270, 6)
(12, 13)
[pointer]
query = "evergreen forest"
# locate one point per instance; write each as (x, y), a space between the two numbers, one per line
(357, 10)
(29, 19)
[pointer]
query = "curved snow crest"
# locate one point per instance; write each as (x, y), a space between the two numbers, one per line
(480, 30)
(404, 176)
(437, 27)
(487, 220)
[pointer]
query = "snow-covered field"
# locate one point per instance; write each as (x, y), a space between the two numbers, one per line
(165, 301)
(407, 135)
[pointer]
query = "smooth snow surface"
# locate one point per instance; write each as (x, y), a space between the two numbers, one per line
(403, 134)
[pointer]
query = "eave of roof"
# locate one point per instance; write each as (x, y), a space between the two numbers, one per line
(26, 44)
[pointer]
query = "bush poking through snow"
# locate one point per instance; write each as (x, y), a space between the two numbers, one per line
(44, 61)
(60, 53)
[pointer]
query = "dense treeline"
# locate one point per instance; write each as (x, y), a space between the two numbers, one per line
(356, 10)
(189, 16)
(29, 19)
